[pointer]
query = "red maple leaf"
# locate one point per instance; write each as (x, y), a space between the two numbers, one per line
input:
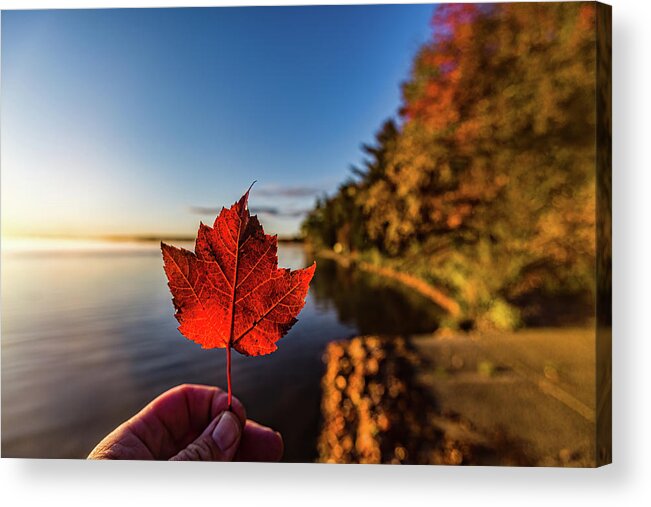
(230, 292)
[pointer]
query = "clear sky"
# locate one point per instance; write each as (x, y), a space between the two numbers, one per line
(139, 121)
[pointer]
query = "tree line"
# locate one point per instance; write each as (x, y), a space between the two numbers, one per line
(483, 184)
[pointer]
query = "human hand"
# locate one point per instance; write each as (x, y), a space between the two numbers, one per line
(191, 423)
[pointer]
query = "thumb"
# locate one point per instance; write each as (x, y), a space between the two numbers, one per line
(219, 441)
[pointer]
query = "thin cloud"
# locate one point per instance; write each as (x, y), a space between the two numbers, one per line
(288, 191)
(204, 210)
(277, 212)
(262, 210)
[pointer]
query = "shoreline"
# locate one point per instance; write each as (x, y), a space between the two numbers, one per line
(427, 290)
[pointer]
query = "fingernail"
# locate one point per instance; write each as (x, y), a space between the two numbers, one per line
(227, 431)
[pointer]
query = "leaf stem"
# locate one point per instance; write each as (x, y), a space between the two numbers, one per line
(228, 376)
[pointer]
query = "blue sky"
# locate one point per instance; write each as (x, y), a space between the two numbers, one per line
(139, 121)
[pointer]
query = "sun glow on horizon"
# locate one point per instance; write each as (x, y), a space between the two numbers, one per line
(118, 122)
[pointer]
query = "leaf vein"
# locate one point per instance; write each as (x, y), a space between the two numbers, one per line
(186, 279)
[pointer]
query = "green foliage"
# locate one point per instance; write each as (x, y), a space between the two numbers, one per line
(502, 316)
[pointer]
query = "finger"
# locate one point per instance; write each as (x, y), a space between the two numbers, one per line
(179, 416)
(219, 441)
(121, 443)
(259, 443)
(220, 404)
(192, 406)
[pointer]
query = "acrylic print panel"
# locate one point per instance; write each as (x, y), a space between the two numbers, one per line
(459, 311)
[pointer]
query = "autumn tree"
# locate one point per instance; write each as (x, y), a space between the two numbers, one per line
(486, 188)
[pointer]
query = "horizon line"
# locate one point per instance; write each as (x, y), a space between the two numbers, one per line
(150, 237)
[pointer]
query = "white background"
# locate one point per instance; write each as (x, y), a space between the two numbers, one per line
(626, 482)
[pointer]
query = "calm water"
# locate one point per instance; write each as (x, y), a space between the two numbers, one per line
(89, 337)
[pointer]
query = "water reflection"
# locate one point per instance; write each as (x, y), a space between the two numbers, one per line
(88, 338)
(370, 303)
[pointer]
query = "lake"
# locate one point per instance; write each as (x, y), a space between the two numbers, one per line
(89, 338)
